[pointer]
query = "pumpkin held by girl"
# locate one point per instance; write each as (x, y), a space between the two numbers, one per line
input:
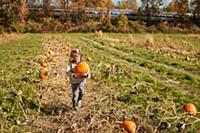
(81, 68)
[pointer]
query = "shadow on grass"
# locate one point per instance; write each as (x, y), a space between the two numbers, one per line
(54, 109)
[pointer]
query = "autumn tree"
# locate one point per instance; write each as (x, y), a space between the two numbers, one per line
(47, 7)
(172, 7)
(104, 4)
(12, 11)
(91, 3)
(182, 6)
(78, 5)
(182, 9)
(64, 3)
(127, 4)
(109, 6)
(23, 10)
(122, 4)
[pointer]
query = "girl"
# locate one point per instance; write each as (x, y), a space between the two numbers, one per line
(77, 81)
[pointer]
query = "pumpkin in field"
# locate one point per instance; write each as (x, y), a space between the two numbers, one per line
(129, 126)
(190, 108)
(81, 68)
(66, 49)
(43, 73)
(43, 64)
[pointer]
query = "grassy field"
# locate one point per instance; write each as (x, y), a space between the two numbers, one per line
(151, 75)
(18, 80)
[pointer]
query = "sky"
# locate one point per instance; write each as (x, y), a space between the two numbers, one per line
(166, 2)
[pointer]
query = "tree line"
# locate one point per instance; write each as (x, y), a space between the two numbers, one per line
(16, 11)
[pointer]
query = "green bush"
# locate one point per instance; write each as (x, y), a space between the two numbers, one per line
(34, 27)
(19, 27)
(78, 18)
(92, 26)
(137, 27)
(163, 27)
(107, 26)
(122, 21)
(152, 29)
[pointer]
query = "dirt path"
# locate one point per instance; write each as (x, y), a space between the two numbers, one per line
(97, 114)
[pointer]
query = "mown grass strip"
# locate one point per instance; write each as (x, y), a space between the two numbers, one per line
(156, 57)
(164, 72)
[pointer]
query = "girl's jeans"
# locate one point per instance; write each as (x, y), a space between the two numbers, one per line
(77, 93)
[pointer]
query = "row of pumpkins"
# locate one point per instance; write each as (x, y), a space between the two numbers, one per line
(79, 69)
(127, 125)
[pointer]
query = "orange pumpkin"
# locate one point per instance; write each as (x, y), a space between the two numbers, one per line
(81, 68)
(43, 77)
(66, 49)
(190, 108)
(43, 73)
(43, 64)
(129, 126)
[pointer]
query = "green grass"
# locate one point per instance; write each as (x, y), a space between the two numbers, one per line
(149, 84)
(166, 83)
(185, 41)
(18, 75)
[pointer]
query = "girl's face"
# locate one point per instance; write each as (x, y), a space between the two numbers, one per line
(77, 58)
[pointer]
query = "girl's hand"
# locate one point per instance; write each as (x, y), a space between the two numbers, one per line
(76, 76)
(84, 75)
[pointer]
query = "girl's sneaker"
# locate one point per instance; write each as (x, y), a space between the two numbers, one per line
(79, 103)
(75, 108)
